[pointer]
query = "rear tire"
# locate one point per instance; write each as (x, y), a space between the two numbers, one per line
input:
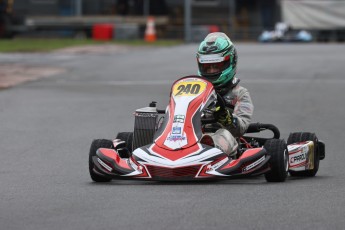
(277, 149)
(301, 137)
(96, 144)
(128, 138)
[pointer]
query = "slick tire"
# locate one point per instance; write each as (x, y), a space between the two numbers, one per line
(96, 144)
(301, 137)
(128, 138)
(277, 149)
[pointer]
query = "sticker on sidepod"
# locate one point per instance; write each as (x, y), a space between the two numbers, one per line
(189, 87)
(254, 164)
(298, 155)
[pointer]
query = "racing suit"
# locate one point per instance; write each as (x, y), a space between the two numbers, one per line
(238, 102)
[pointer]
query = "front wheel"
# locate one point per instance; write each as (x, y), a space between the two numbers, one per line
(96, 144)
(128, 138)
(302, 137)
(277, 149)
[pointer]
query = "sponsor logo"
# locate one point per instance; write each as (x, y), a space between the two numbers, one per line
(252, 165)
(297, 158)
(210, 59)
(179, 118)
(176, 138)
(176, 130)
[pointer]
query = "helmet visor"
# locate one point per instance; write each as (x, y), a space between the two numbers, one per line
(213, 64)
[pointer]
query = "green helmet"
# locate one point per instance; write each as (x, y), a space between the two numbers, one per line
(217, 59)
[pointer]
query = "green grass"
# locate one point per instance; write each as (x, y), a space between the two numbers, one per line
(46, 45)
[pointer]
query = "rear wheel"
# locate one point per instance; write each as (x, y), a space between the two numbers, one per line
(128, 138)
(301, 137)
(96, 144)
(277, 149)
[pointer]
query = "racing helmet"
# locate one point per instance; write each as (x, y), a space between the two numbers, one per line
(217, 59)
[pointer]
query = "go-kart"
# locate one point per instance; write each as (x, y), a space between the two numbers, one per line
(168, 145)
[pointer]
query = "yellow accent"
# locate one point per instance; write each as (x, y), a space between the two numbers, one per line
(311, 155)
(189, 88)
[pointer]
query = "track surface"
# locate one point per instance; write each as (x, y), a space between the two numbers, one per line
(47, 127)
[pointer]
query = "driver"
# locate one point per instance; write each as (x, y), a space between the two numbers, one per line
(217, 60)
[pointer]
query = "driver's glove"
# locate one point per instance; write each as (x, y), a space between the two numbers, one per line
(223, 116)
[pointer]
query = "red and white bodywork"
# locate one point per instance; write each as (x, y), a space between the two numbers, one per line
(175, 152)
(301, 156)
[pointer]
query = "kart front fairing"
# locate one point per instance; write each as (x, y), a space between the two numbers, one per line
(175, 152)
(182, 126)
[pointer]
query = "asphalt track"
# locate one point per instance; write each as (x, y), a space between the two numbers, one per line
(47, 127)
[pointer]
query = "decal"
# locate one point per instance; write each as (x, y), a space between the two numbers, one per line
(176, 138)
(252, 165)
(104, 165)
(176, 130)
(179, 118)
(190, 88)
(213, 58)
(298, 158)
(298, 155)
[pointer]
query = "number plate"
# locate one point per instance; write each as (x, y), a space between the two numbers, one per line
(187, 87)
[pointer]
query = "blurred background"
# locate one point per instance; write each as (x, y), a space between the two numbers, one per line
(189, 20)
(76, 94)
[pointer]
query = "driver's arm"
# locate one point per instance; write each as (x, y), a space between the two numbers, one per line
(243, 111)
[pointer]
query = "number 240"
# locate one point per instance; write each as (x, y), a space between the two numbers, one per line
(188, 89)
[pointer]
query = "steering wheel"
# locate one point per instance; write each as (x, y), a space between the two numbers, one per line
(220, 103)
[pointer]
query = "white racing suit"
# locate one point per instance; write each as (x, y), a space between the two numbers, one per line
(239, 103)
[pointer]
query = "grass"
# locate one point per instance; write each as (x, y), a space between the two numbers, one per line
(46, 45)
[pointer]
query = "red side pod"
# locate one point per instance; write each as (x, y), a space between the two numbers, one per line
(250, 152)
(251, 157)
(231, 164)
(112, 154)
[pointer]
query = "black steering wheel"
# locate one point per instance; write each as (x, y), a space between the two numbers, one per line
(221, 104)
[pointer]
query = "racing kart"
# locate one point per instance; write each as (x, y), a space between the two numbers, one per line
(168, 145)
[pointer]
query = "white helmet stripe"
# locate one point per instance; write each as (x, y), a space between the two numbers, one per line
(213, 58)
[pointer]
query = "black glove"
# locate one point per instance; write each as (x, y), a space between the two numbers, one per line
(223, 116)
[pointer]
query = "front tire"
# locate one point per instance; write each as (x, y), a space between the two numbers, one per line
(277, 149)
(128, 138)
(301, 137)
(96, 144)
